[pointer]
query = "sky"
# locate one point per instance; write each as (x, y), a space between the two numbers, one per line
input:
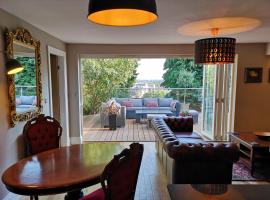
(150, 69)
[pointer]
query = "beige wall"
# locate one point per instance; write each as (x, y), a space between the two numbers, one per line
(252, 100)
(11, 146)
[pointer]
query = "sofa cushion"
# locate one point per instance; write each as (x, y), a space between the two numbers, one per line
(187, 135)
(18, 101)
(27, 100)
(134, 108)
(164, 102)
(127, 103)
(191, 140)
(146, 100)
(152, 104)
(136, 102)
(120, 100)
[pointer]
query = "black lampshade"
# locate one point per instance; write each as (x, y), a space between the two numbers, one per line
(13, 66)
(219, 50)
(122, 12)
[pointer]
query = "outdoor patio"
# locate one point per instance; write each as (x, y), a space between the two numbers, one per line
(140, 132)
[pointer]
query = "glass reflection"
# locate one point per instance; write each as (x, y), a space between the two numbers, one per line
(25, 81)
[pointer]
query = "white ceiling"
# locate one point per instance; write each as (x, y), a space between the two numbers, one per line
(66, 20)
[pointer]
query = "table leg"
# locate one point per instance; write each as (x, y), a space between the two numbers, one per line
(34, 197)
(74, 195)
(138, 118)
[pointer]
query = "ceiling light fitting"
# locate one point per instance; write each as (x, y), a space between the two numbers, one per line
(122, 12)
(13, 66)
(216, 50)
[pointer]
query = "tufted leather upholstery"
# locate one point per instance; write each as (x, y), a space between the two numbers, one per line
(195, 160)
(40, 134)
(180, 124)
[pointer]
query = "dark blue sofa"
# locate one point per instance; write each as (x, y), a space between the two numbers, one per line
(141, 103)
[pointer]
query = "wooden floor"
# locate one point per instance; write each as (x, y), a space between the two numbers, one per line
(152, 184)
(132, 131)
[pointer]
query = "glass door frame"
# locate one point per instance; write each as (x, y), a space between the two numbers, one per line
(223, 102)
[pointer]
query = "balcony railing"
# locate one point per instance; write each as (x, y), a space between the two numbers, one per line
(191, 96)
(22, 90)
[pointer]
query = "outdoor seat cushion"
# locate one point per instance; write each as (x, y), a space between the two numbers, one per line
(147, 100)
(164, 102)
(120, 100)
(27, 100)
(136, 102)
(96, 195)
(134, 108)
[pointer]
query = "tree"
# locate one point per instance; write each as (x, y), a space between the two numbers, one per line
(102, 78)
(183, 73)
(179, 70)
(27, 77)
(155, 94)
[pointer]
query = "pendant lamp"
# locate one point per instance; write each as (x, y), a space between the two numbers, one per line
(13, 66)
(122, 12)
(215, 50)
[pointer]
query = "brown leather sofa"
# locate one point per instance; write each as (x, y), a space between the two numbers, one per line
(187, 158)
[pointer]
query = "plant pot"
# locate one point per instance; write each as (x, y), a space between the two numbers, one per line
(112, 121)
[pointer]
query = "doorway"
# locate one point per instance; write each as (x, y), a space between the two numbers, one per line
(58, 90)
(219, 89)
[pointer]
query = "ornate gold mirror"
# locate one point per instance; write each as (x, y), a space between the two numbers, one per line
(24, 88)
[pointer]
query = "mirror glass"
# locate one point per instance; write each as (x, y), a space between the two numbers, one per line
(25, 81)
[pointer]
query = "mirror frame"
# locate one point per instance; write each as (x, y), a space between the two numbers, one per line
(22, 37)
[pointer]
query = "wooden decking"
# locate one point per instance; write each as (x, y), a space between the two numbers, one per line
(139, 132)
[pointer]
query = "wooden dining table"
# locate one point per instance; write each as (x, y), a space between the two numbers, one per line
(62, 170)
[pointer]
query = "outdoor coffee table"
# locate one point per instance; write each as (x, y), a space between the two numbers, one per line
(143, 113)
(251, 147)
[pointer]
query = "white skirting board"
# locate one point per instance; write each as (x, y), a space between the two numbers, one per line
(75, 140)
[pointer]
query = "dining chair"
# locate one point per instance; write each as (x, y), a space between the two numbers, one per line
(40, 134)
(119, 178)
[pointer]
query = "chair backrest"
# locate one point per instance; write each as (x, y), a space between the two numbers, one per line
(40, 134)
(119, 178)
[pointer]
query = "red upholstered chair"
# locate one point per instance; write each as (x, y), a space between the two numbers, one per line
(119, 178)
(40, 134)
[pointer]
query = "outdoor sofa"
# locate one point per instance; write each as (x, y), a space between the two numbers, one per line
(133, 104)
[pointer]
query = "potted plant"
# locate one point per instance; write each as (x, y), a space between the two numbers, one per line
(113, 110)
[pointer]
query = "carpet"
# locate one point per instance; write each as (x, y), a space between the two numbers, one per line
(242, 173)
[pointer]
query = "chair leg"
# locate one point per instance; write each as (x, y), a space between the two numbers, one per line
(35, 197)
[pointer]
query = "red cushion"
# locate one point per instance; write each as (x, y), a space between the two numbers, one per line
(18, 101)
(152, 104)
(96, 195)
(127, 103)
